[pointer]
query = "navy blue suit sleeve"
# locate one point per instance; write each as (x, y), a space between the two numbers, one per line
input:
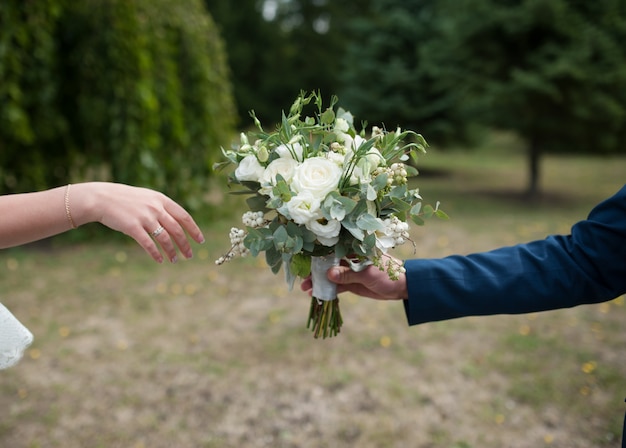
(587, 266)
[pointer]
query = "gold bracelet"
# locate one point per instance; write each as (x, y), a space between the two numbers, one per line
(67, 207)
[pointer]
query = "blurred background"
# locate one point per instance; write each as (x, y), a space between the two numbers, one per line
(524, 105)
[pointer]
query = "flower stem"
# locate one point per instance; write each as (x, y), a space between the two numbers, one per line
(324, 318)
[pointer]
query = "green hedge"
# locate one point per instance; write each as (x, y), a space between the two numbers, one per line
(133, 91)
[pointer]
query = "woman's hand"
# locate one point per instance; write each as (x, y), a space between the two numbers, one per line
(139, 213)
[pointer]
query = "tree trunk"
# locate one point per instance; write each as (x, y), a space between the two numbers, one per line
(534, 156)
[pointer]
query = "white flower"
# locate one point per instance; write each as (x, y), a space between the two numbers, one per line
(284, 166)
(342, 125)
(358, 176)
(249, 169)
(351, 144)
(362, 172)
(372, 160)
(384, 242)
(394, 233)
(336, 158)
(302, 208)
(290, 151)
(318, 176)
(327, 233)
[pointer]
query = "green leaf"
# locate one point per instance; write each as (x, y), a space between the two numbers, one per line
(337, 207)
(294, 229)
(330, 137)
(368, 222)
(308, 236)
(428, 211)
(340, 250)
(258, 240)
(281, 189)
(441, 214)
(380, 181)
(257, 203)
(351, 227)
(274, 203)
(369, 243)
(400, 205)
(218, 166)
(280, 238)
(417, 220)
(411, 171)
(328, 117)
(274, 259)
(250, 185)
(300, 265)
(399, 191)
(295, 244)
(358, 249)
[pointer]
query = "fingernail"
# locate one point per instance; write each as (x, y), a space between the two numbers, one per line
(189, 254)
(174, 259)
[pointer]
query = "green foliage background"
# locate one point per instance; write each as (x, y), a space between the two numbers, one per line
(130, 91)
(140, 92)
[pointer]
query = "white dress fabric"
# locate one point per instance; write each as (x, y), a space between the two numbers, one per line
(14, 338)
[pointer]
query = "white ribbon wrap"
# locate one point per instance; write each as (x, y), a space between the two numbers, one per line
(14, 338)
(323, 289)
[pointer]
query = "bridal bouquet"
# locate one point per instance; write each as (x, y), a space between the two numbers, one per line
(321, 192)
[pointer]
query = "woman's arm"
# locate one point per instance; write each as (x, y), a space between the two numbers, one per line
(135, 211)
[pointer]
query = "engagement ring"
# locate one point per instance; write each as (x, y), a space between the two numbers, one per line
(157, 232)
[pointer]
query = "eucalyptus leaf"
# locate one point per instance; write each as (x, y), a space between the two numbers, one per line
(274, 203)
(257, 203)
(380, 181)
(428, 211)
(274, 259)
(372, 194)
(401, 205)
(340, 250)
(280, 238)
(368, 223)
(441, 214)
(369, 242)
(354, 230)
(399, 191)
(417, 220)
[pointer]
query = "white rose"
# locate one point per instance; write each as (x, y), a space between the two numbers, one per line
(249, 169)
(328, 233)
(290, 151)
(303, 208)
(283, 166)
(316, 175)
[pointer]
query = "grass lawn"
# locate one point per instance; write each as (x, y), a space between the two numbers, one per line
(129, 353)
